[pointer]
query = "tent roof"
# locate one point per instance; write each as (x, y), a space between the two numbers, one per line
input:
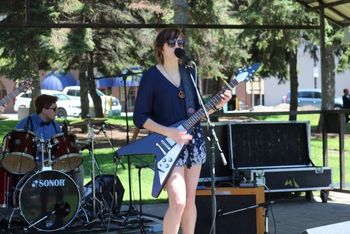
(58, 81)
(337, 11)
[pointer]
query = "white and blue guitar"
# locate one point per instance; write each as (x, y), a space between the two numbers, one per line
(165, 149)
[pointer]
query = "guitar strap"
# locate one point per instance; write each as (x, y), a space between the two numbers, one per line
(187, 87)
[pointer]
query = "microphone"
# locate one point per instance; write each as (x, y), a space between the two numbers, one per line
(181, 54)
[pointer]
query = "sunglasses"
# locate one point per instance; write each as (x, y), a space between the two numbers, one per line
(172, 42)
(53, 108)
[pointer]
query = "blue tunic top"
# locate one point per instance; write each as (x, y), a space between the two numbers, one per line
(158, 99)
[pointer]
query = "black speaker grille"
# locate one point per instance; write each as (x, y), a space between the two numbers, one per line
(270, 144)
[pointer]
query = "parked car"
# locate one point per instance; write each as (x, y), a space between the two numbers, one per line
(311, 97)
(109, 103)
(65, 105)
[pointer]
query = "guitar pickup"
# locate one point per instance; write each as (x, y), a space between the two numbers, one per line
(161, 149)
(165, 145)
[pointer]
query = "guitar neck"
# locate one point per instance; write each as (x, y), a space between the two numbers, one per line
(9, 97)
(198, 115)
(17, 91)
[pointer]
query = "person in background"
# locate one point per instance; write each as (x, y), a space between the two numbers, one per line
(346, 102)
(162, 100)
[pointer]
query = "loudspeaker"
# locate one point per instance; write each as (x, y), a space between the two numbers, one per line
(105, 186)
(231, 199)
(223, 172)
(339, 228)
(266, 144)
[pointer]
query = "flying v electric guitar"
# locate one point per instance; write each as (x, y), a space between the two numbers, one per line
(23, 86)
(165, 149)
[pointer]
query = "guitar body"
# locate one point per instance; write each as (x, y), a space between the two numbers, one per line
(166, 152)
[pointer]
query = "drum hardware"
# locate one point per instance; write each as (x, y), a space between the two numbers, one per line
(118, 189)
(87, 121)
(6, 184)
(94, 164)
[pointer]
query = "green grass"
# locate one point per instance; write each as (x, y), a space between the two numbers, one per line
(105, 158)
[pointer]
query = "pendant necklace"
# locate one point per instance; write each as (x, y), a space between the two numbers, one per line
(181, 93)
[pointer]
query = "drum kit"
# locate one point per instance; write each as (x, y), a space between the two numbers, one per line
(36, 181)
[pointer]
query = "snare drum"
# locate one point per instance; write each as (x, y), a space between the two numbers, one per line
(65, 153)
(19, 150)
(48, 200)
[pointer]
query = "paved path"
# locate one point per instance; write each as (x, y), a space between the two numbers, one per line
(294, 216)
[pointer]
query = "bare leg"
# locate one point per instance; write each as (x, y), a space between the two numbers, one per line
(176, 189)
(189, 215)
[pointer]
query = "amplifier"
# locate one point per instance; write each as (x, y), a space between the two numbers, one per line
(233, 213)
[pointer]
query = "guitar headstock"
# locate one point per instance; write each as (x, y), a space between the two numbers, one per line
(25, 85)
(246, 73)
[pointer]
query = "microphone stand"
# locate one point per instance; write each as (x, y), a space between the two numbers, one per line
(131, 209)
(215, 142)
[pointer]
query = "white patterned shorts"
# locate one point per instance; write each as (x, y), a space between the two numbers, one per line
(195, 151)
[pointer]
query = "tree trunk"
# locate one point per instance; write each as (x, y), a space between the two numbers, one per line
(36, 91)
(329, 83)
(92, 87)
(181, 11)
(84, 99)
(293, 76)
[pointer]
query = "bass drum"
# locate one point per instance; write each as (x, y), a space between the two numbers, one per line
(47, 200)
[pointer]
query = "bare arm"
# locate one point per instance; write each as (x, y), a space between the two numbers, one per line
(180, 137)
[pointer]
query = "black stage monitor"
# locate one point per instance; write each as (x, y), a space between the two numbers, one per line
(270, 144)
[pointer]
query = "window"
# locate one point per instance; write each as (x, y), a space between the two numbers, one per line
(71, 92)
(305, 95)
(317, 95)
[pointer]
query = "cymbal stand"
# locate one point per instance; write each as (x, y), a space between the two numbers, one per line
(118, 161)
(49, 146)
(93, 172)
(41, 145)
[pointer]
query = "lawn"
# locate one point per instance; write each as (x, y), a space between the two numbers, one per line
(108, 164)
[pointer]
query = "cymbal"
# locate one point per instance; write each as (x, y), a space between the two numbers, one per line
(93, 121)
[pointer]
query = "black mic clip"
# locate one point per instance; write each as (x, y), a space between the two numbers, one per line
(102, 129)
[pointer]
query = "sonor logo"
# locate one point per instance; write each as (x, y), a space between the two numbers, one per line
(48, 183)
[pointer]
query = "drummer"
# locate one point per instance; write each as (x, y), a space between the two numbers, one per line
(44, 126)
